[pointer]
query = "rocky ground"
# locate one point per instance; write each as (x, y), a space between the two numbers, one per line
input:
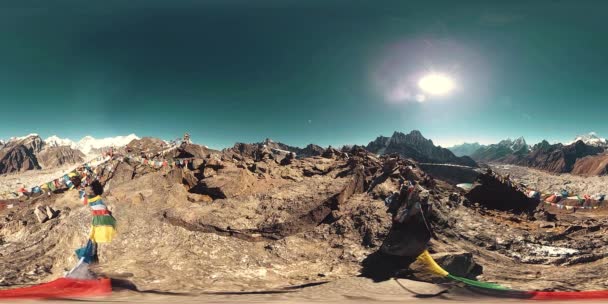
(10, 182)
(239, 220)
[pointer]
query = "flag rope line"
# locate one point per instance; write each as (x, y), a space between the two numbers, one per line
(498, 290)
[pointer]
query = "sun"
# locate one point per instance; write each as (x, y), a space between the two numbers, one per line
(436, 84)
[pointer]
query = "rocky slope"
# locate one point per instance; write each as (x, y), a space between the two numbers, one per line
(31, 152)
(228, 223)
(556, 158)
(415, 146)
(233, 223)
(146, 146)
(591, 165)
(53, 157)
(19, 154)
(504, 149)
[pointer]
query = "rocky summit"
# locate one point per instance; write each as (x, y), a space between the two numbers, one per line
(250, 218)
(415, 146)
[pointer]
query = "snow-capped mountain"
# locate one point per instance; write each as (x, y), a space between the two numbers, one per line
(465, 149)
(89, 143)
(519, 144)
(30, 152)
(31, 135)
(591, 139)
(55, 141)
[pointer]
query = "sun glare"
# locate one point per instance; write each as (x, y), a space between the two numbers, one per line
(436, 84)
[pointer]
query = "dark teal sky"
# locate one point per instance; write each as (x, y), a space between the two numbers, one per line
(302, 71)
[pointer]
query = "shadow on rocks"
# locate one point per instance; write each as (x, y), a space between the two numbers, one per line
(380, 266)
(123, 285)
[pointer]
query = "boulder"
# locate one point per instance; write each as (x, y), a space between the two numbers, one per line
(460, 264)
(229, 182)
(122, 173)
(51, 213)
(175, 175)
(40, 214)
(493, 193)
(198, 163)
(208, 172)
(288, 160)
(214, 163)
(189, 179)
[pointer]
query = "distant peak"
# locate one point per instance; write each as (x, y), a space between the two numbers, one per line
(591, 139)
(24, 137)
(56, 141)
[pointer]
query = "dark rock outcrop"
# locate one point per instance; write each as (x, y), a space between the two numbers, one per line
(17, 159)
(311, 150)
(493, 193)
(19, 155)
(280, 150)
(415, 146)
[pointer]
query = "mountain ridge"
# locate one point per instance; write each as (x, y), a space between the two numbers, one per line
(415, 146)
(557, 158)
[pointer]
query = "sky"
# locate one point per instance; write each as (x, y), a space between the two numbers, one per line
(326, 72)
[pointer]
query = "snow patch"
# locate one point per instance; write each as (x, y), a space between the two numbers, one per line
(88, 143)
(591, 139)
(23, 137)
(551, 250)
(55, 141)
